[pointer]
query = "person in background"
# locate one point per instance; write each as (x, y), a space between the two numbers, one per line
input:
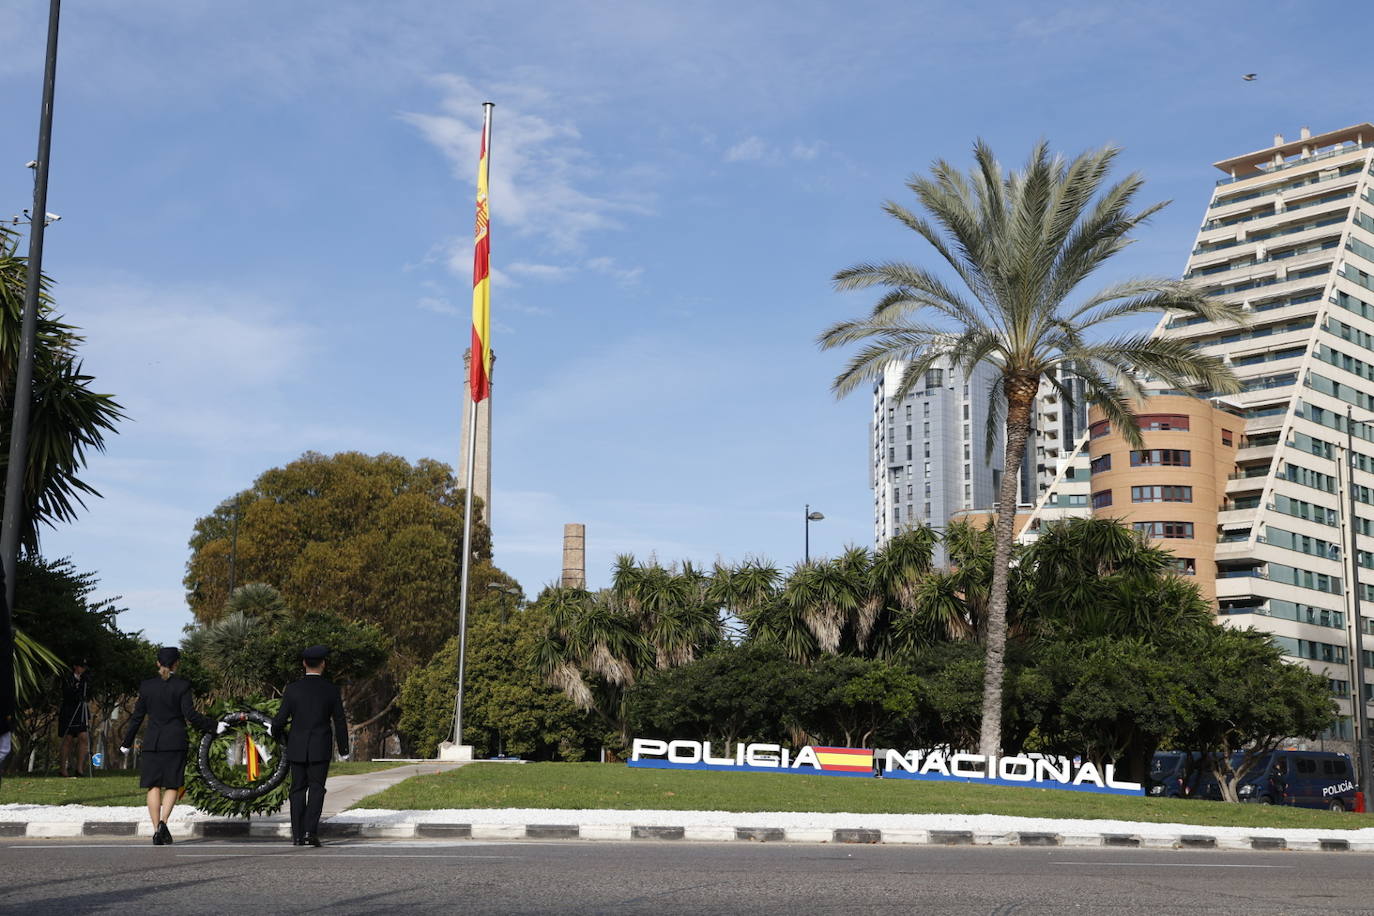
(74, 717)
(165, 701)
(315, 710)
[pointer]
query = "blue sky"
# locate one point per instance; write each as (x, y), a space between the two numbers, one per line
(267, 213)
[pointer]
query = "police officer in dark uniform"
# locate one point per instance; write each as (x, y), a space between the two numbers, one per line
(165, 701)
(315, 711)
(74, 718)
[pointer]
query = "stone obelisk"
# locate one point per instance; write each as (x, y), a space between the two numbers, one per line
(574, 556)
(481, 472)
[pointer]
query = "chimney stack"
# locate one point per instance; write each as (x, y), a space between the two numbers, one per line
(1278, 139)
(1305, 133)
(574, 556)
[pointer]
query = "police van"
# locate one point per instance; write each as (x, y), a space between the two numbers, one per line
(1306, 779)
(1174, 774)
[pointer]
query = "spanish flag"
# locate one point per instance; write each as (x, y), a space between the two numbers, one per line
(479, 366)
(844, 759)
(252, 755)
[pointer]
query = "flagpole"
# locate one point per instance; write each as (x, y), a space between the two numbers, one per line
(476, 360)
(467, 564)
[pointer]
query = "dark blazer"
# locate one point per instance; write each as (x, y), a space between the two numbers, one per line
(315, 710)
(167, 706)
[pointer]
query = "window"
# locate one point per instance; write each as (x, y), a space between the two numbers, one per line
(927, 489)
(927, 449)
(927, 510)
(1101, 463)
(1162, 421)
(934, 378)
(1333, 767)
(967, 452)
(926, 411)
(1102, 499)
(1226, 437)
(896, 513)
(1158, 494)
(908, 411)
(908, 430)
(925, 429)
(1160, 530)
(968, 471)
(927, 468)
(1186, 566)
(908, 451)
(968, 492)
(1099, 429)
(966, 431)
(1167, 457)
(892, 454)
(966, 411)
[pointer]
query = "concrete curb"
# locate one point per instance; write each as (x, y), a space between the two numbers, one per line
(267, 828)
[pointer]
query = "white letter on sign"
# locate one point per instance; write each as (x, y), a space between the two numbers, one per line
(762, 755)
(692, 751)
(647, 747)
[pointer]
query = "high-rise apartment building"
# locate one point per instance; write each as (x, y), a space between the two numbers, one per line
(1289, 236)
(1251, 492)
(929, 450)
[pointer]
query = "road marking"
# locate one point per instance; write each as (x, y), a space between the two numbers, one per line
(316, 855)
(1171, 865)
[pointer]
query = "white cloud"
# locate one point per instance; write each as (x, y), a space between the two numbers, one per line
(625, 276)
(750, 149)
(756, 149)
(543, 179)
(548, 272)
(439, 305)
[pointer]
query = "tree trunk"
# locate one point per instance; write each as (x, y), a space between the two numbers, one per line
(1020, 391)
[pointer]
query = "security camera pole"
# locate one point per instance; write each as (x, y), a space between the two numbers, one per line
(23, 383)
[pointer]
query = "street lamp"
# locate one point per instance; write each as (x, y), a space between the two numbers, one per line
(513, 590)
(810, 517)
(1355, 626)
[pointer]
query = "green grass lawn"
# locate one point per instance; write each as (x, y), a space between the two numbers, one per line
(615, 786)
(119, 787)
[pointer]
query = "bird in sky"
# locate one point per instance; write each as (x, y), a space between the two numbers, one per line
(1250, 77)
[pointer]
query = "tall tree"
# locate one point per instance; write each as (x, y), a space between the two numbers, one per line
(1021, 243)
(68, 419)
(370, 538)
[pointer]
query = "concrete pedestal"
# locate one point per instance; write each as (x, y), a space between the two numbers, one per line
(450, 751)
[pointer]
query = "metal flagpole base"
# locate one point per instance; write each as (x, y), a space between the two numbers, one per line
(450, 751)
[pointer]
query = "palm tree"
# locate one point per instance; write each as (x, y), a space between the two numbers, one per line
(1021, 243)
(68, 417)
(598, 644)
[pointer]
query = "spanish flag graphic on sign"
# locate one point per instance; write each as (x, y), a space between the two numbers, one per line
(844, 759)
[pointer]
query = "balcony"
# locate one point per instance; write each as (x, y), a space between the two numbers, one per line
(1246, 484)
(1237, 517)
(1343, 150)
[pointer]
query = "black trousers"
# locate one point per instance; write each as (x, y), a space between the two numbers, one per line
(307, 796)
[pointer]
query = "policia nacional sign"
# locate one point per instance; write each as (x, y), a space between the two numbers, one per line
(1037, 770)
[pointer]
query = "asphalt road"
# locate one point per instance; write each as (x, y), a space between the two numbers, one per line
(470, 877)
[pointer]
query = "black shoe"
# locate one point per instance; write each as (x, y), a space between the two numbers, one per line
(310, 840)
(157, 837)
(297, 841)
(166, 834)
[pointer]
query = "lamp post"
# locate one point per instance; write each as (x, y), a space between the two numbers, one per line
(1355, 626)
(513, 590)
(810, 517)
(11, 517)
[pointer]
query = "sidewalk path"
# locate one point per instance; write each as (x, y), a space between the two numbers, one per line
(346, 791)
(1356, 833)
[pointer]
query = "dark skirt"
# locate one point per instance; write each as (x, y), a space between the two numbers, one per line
(162, 769)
